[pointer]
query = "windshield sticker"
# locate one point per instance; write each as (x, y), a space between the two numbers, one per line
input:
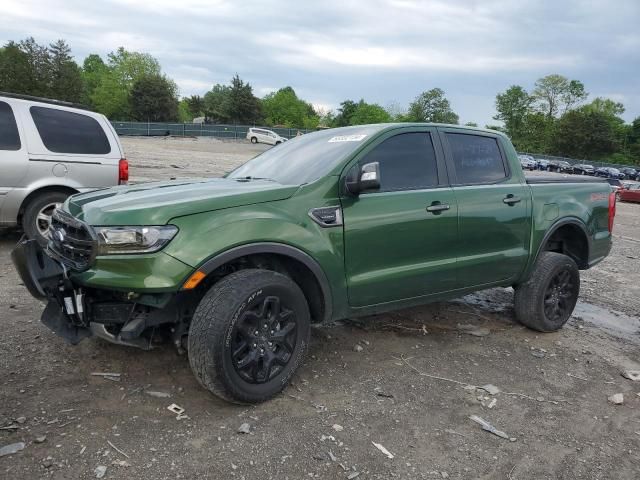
(347, 138)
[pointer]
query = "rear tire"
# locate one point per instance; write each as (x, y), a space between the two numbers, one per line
(254, 140)
(37, 215)
(546, 301)
(248, 335)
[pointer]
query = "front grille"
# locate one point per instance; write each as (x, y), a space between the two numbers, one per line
(71, 241)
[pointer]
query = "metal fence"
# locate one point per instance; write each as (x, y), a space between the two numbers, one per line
(230, 132)
(575, 161)
(239, 132)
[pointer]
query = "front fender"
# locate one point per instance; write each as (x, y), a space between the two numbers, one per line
(209, 236)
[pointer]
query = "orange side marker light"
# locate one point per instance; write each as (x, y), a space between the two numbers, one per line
(193, 280)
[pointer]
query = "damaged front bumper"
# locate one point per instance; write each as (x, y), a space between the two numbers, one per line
(76, 312)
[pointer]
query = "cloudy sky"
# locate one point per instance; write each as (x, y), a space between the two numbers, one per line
(386, 51)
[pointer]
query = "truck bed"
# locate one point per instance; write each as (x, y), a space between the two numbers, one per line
(547, 177)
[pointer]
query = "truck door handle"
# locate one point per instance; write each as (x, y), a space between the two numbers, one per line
(511, 199)
(437, 207)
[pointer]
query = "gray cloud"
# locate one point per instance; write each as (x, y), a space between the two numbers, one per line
(383, 50)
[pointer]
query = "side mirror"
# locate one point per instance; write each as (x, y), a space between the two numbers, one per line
(365, 178)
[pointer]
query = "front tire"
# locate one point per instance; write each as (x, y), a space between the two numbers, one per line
(248, 335)
(546, 301)
(36, 219)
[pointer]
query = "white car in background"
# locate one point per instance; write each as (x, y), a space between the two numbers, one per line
(261, 135)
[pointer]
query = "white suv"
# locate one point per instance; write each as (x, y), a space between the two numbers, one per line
(261, 135)
(48, 151)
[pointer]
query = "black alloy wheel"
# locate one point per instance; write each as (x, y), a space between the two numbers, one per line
(263, 340)
(249, 334)
(559, 295)
(546, 300)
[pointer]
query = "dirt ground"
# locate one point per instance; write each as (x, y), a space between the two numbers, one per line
(403, 380)
(161, 158)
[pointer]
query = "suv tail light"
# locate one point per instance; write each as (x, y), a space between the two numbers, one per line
(612, 210)
(123, 172)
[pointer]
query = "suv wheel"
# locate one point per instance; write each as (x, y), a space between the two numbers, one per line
(36, 219)
(254, 140)
(546, 301)
(248, 335)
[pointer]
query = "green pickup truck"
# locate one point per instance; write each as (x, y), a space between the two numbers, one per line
(334, 224)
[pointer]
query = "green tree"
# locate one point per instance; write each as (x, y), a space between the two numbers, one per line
(215, 104)
(557, 94)
(93, 71)
(633, 140)
(606, 106)
(111, 96)
(242, 105)
(432, 106)
(513, 106)
(535, 133)
(285, 108)
(583, 134)
(574, 95)
(366, 113)
(38, 80)
(65, 76)
(184, 114)
(154, 98)
(195, 106)
(471, 124)
(345, 112)
(15, 70)
(25, 67)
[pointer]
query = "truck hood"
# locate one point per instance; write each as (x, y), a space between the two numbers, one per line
(157, 203)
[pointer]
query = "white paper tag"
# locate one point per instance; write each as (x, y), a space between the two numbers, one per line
(79, 308)
(347, 138)
(68, 305)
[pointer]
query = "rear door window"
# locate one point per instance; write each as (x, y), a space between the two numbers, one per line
(9, 136)
(477, 159)
(407, 162)
(69, 132)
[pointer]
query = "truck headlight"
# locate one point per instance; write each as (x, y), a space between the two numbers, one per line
(123, 240)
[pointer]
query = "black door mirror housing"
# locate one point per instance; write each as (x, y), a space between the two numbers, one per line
(367, 177)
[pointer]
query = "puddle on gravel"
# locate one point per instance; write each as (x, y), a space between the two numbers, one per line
(500, 300)
(615, 323)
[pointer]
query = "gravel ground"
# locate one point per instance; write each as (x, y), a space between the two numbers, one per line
(404, 380)
(161, 158)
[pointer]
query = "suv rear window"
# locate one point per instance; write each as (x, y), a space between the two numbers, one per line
(68, 132)
(9, 136)
(477, 159)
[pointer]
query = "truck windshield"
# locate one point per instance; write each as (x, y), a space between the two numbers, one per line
(306, 158)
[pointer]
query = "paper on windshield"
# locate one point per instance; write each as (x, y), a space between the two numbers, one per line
(347, 138)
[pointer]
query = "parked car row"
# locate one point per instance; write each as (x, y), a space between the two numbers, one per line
(528, 162)
(561, 166)
(609, 172)
(583, 169)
